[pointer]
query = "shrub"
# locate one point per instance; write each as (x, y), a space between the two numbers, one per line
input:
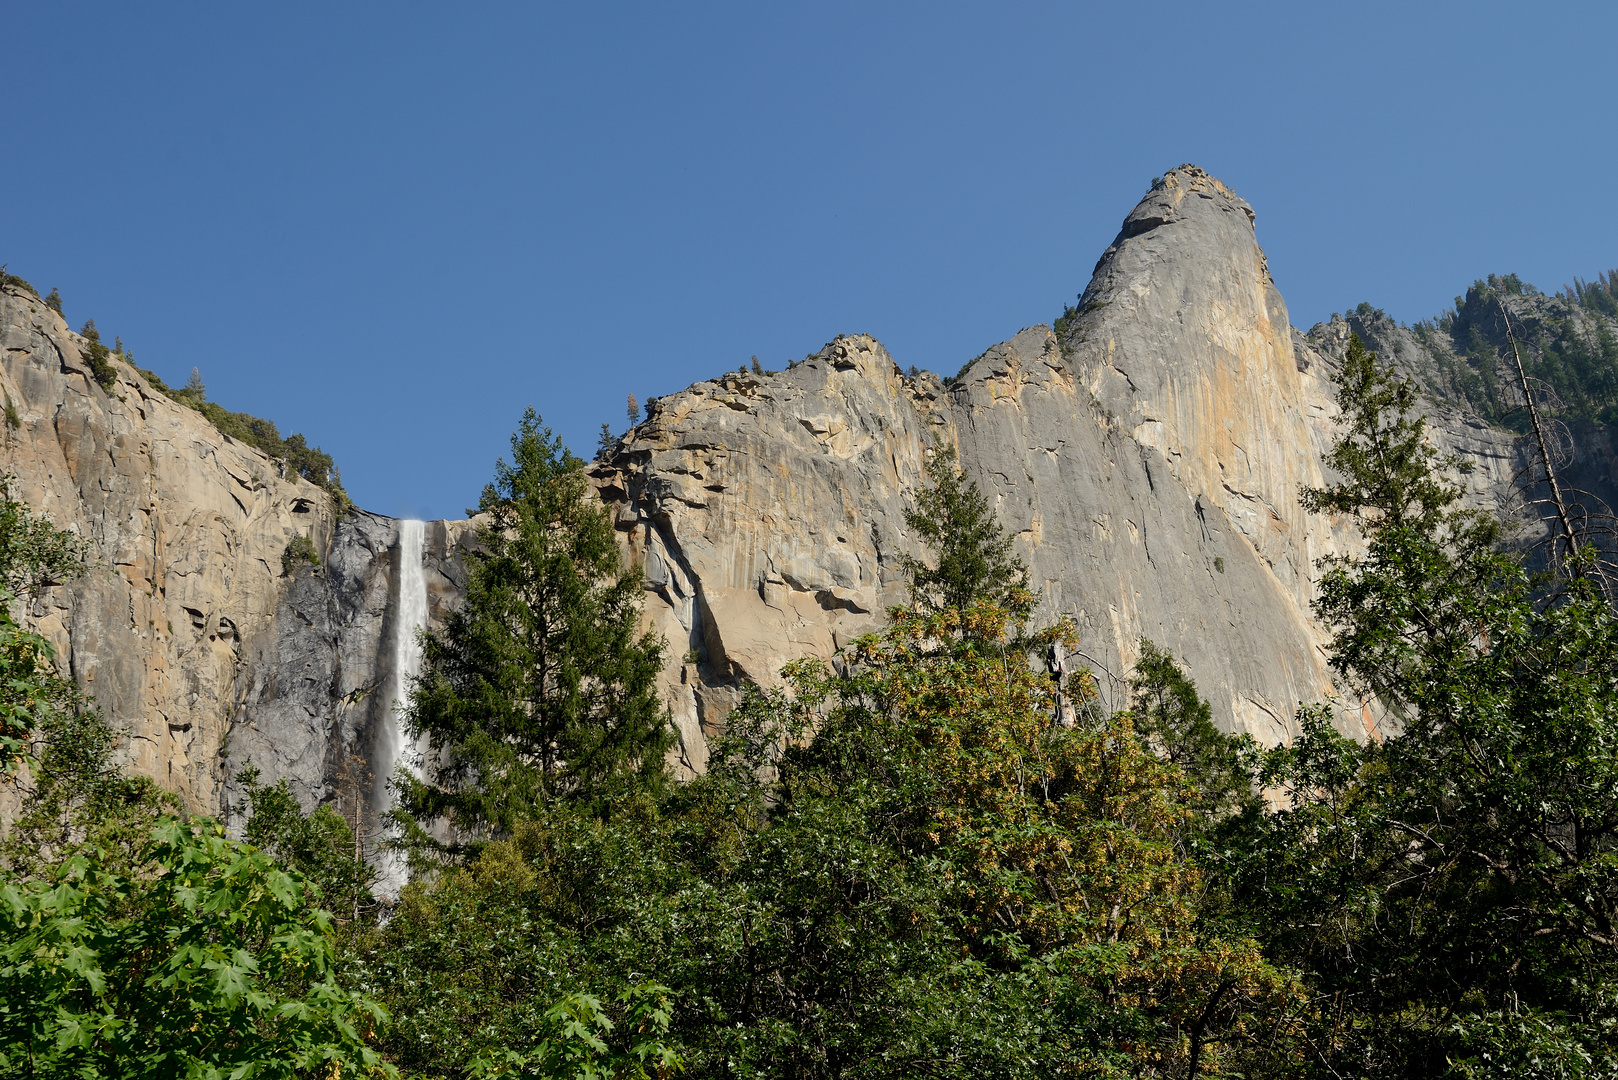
(300, 549)
(13, 279)
(311, 463)
(98, 356)
(205, 960)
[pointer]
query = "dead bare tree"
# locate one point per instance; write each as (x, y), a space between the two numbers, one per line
(1580, 521)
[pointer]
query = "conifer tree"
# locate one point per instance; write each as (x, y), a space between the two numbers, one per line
(974, 560)
(1177, 723)
(1451, 887)
(540, 688)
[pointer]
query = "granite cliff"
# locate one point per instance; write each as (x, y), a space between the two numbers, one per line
(194, 639)
(1147, 452)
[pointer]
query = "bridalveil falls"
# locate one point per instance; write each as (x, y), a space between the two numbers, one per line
(392, 743)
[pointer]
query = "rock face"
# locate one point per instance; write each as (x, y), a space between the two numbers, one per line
(313, 696)
(1148, 461)
(187, 528)
(1148, 456)
(193, 640)
(1147, 453)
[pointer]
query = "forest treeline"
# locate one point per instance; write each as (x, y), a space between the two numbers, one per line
(1568, 341)
(943, 853)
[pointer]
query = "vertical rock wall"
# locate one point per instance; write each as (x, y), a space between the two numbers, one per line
(186, 527)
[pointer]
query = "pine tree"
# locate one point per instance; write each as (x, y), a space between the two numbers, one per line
(975, 563)
(633, 410)
(540, 688)
(54, 300)
(194, 385)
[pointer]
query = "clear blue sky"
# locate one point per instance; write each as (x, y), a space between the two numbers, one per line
(391, 226)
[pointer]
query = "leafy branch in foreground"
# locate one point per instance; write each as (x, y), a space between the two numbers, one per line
(202, 959)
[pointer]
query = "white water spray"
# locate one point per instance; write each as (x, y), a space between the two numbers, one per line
(393, 748)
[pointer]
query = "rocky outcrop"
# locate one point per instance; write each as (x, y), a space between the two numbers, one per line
(767, 512)
(1148, 462)
(1148, 458)
(186, 527)
(195, 642)
(1147, 453)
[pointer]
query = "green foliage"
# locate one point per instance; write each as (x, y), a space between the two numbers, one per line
(605, 443)
(299, 550)
(1599, 297)
(1441, 558)
(73, 797)
(34, 554)
(1451, 889)
(580, 1041)
(1066, 328)
(33, 695)
(54, 300)
(134, 942)
(961, 374)
(301, 459)
(1581, 362)
(1568, 343)
(539, 687)
(1178, 724)
(13, 420)
(908, 867)
(974, 559)
(904, 864)
(98, 356)
(203, 959)
(1067, 324)
(321, 847)
(309, 462)
(17, 282)
(30, 690)
(76, 798)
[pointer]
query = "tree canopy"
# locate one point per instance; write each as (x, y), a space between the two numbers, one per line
(540, 687)
(972, 560)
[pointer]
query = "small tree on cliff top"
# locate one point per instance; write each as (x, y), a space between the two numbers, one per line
(539, 688)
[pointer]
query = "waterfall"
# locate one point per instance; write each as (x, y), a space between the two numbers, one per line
(393, 747)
